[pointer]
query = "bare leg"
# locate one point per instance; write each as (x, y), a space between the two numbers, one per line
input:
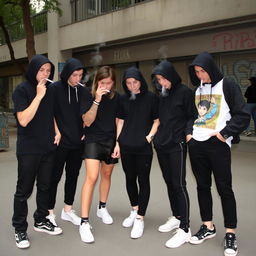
(92, 172)
(105, 182)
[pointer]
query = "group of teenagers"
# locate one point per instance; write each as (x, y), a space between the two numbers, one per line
(60, 124)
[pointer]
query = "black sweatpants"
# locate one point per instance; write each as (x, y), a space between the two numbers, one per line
(71, 159)
(31, 168)
(213, 157)
(173, 167)
(137, 167)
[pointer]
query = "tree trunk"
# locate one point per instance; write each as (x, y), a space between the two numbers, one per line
(30, 41)
(8, 42)
(7, 38)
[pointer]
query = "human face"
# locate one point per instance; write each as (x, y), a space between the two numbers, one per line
(163, 82)
(75, 77)
(202, 75)
(44, 72)
(106, 83)
(133, 85)
(202, 110)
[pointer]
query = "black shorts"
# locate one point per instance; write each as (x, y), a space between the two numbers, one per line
(100, 150)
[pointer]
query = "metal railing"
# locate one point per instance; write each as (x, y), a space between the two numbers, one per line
(84, 9)
(16, 30)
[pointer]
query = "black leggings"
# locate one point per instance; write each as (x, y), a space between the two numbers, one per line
(173, 166)
(137, 167)
(71, 159)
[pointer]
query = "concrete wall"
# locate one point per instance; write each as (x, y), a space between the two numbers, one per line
(151, 17)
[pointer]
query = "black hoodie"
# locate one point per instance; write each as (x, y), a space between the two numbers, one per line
(176, 113)
(232, 93)
(38, 136)
(138, 115)
(67, 106)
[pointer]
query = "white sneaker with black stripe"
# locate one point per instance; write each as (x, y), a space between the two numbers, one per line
(47, 227)
(203, 234)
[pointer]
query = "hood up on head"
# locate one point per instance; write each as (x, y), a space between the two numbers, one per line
(70, 66)
(205, 61)
(133, 72)
(252, 79)
(35, 64)
(167, 70)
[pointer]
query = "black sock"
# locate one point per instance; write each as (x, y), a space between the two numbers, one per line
(102, 205)
(185, 228)
(84, 220)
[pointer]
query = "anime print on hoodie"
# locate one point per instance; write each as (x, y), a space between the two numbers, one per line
(38, 136)
(214, 113)
(138, 113)
(176, 112)
(67, 106)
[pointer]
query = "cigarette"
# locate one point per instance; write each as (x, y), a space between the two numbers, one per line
(49, 80)
(81, 84)
(107, 90)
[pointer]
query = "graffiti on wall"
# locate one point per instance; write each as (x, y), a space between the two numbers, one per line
(229, 41)
(240, 71)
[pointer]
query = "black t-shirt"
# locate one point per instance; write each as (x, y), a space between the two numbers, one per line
(138, 116)
(104, 125)
(38, 136)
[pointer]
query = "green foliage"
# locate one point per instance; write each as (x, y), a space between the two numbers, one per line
(11, 13)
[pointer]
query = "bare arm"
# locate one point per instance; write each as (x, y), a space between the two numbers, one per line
(119, 127)
(90, 116)
(25, 116)
(153, 130)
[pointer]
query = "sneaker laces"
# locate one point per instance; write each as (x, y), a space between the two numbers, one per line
(22, 236)
(201, 231)
(230, 241)
(49, 224)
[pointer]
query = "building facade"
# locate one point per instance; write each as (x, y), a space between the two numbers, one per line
(129, 32)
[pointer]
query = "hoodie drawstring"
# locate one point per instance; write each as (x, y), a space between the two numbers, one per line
(69, 94)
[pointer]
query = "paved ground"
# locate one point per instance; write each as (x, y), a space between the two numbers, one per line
(113, 240)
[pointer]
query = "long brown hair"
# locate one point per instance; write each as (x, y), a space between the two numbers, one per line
(104, 72)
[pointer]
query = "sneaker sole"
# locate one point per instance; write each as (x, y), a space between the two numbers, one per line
(202, 240)
(228, 254)
(176, 246)
(87, 242)
(23, 246)
(48, 232)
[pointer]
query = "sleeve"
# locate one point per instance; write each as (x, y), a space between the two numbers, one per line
(20, 99)
(120, 108)
(86, 101)
(240, 117)
(191, 111)
(155, 107)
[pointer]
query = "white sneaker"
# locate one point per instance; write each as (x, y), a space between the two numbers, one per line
(137, 229)
(171, 224)
(52, 219)
(104, 215)
(71, 216)
(178, 239)
(128, 222)
(86, 233)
